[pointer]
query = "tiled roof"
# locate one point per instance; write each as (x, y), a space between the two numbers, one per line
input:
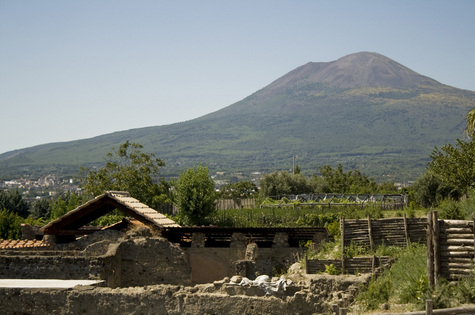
(10, 244)
(101, 205)
(135, 205)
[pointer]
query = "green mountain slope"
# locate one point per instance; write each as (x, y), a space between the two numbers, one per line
(364, 110)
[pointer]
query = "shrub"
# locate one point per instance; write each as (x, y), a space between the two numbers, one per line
(331, 269)
(10, 225)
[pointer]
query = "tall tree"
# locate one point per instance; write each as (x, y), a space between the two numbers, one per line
(455, 165)
(195, 195)
(41, 208)
(353, 182)
(470, 130)
(244, 189)
(63, 204)
(12, 201)
(128, 169)
(277, 184)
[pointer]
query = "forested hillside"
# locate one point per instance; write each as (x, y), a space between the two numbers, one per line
(364, 111)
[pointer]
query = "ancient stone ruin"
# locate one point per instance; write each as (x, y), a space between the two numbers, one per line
(149, 264)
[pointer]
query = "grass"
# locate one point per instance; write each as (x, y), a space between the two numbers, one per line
(406, 283)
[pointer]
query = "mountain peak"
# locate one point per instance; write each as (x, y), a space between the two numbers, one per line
(362, 69)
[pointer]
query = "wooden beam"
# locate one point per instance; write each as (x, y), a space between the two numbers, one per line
(430, 252)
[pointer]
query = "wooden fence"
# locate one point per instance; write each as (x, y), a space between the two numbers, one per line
(226, 204)
(450, 248)
(371, 233)
(221, 204)
(352, 265)
(464, 310)
(392, 232)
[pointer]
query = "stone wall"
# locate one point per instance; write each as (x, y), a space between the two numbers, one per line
(49, 267)
(213, 298)
(138, 258)
(143, 261)
(134, 261)
(209, 264)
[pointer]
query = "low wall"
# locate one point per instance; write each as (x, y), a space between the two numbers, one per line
(144, 261)
(133, 262)
(214, 298)
(209, 264)
(49, 267)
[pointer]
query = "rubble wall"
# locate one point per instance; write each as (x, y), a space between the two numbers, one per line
(49, 267)
(161, 299)
(143, 261)
(132, 262)
(315, 295)
(209, 264)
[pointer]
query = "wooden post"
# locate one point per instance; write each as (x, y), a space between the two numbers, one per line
(342, 230)
(335, 309)
(406, 232)
(306, 263)
(430, 252)
(429, 306)
(373, 264)
(370, 235)
(473, 227)
(435, 244)
(343, 311)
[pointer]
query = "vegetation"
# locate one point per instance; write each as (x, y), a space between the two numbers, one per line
(10, 225)
(194, 195)
(455, 165)
(128, 169)
(238, 190)
(332, 180)
(406, 283)
(13, 202)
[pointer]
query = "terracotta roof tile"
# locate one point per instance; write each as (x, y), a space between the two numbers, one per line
(17, 244)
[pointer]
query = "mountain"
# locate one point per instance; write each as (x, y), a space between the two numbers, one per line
(363, 110)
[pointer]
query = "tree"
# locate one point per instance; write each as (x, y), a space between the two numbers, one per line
(455, 165)
(12, 201)
(318, 184)
(277, 184)
(429, 190)
(128, 169)
(63, 204)
(41, 208)
(470, 130)
(238, 190)
(352, 182)
(10, 225)
(195, 195)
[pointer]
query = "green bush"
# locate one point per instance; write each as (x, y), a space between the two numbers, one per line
(331, 269)
(10, 225)
(355, 249)
(334, 229)
(377, 293)
(406, 282)
(451, 210)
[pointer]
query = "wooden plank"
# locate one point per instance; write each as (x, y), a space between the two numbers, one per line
(342, 230)
(436, 247)
(370, 236)
(430, 252)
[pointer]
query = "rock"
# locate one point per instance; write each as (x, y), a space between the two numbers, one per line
(235, 279)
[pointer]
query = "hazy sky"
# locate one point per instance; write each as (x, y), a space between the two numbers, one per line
(77, 69)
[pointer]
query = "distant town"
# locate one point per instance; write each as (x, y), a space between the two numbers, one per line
(51, 185)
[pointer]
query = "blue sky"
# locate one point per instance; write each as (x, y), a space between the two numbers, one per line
(77, 69)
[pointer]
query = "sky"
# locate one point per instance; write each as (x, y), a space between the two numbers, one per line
(77, 69)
